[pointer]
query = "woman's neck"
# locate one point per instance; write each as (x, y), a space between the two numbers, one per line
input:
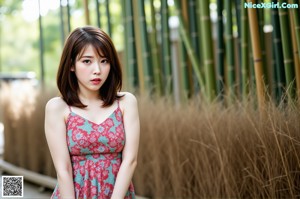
(89, 97)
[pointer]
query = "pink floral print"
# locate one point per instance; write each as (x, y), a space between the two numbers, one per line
(96, 155)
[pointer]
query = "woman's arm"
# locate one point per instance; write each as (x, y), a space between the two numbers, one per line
(130, 151)
(55, 130)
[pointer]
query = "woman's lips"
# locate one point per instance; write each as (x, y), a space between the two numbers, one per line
(96, 81)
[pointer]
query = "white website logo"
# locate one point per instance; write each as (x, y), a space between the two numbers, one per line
(269, 5)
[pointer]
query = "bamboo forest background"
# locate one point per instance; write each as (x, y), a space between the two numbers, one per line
(203, 71)
(181, 48)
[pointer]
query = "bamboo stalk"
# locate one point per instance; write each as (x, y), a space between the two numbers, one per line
(138, 46)
(166, 52)
(295, 52)
(108, 17)
(157, 74)
(142, 46)
(185, 85)
(68, 16)
(262, 42)
(296, 43)
(87, 12)
(257, 56)
(193, 25)
(193, 32)
(193, 85)
(296, 17)
(220, 49)
(184, 80)
(252, 83)
(245, 51)
(99, 14)
(237, 5)
(274, 92)
(198, 20)
(131, 63)
(187, 43)
(287, 52)
(126, 58)
(207, 49)
(230, 70)
(279, 70)
(125, 38)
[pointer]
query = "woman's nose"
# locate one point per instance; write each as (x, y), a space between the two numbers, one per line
(97, 69)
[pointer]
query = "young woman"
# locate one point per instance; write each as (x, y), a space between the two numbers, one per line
(92, 130)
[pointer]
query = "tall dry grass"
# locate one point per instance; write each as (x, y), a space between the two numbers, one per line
(208, 151)
(195, 150)
(22, 108)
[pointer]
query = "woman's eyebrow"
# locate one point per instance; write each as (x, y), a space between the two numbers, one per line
(87, 56)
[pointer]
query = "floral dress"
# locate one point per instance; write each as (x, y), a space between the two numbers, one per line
(96, 155)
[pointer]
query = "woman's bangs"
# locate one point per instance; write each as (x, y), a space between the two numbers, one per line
(101, 50)
(81, 50)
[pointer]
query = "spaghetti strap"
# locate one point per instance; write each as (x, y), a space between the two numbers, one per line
(118, 101)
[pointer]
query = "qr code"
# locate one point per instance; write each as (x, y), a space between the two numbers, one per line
(12, 186)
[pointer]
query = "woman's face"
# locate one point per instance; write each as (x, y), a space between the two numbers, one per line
(91, 70)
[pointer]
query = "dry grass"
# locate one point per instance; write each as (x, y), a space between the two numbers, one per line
(23, 117)
(190, 151)
(208, 151)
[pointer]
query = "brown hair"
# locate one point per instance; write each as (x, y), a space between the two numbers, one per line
(75, 44)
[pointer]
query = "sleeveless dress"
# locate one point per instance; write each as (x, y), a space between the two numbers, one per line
(96, 155)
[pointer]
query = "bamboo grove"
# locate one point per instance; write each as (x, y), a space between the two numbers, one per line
(229, 58)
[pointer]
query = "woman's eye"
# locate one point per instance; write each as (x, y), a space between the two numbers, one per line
(104, 61)
(86, 61)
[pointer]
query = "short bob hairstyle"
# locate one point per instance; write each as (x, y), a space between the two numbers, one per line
(74, 46)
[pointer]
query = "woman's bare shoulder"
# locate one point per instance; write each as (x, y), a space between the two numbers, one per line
(128, 101)
(127, 97)
(56, 104)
